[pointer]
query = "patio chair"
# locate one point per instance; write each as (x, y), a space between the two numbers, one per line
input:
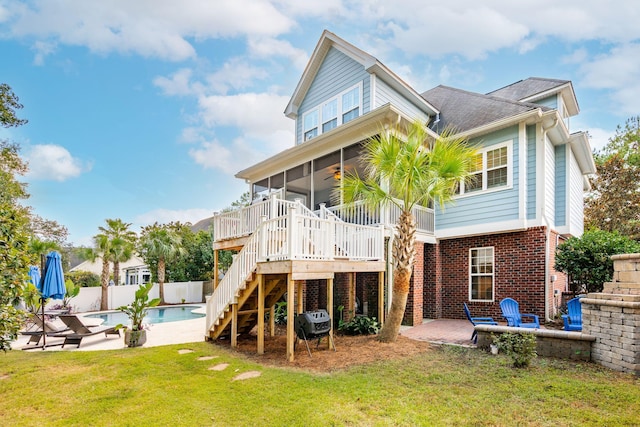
(38, 326)
(79, 330)
(511, 311)
(573, 318)
(477, 321)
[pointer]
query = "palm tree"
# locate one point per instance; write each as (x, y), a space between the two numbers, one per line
(101, 249)
(161, 244)
(41, 248)
(406, 169)
(122, 244)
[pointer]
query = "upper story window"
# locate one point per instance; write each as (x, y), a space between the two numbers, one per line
(491, 169)
(338, 110)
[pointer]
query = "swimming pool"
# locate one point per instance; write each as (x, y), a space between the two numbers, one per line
(154, 315)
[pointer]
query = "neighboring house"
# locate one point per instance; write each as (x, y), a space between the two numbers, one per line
(498, 237)
(137, 275)
(132, 272)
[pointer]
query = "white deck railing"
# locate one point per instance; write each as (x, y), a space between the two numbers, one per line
(358, 213)
(295, 236)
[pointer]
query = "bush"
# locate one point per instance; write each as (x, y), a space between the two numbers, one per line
(280, 313)
(360, 325)
(520, 347)
(587, 260)
(84, 279)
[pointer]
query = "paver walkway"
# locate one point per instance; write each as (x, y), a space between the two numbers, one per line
(441, 331)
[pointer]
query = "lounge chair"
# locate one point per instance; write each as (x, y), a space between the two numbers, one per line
(38, 326)
(573, 318)
(477, 321)
(79, 330)
(511, 311)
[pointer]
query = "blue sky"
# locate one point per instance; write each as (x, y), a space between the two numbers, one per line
(144, 110)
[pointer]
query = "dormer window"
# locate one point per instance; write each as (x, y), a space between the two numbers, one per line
(338, 110)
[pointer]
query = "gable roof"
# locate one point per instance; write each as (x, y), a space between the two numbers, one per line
(462, 110)
(370, 64)
(536, 88)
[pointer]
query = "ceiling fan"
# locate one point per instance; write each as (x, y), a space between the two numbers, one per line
(336, 174)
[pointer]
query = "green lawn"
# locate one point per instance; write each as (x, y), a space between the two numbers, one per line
(444, 386)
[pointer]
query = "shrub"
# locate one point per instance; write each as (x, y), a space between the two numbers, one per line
(587, 260)
(84, 279)
(280, 313)
(520, 347)
(360, 325)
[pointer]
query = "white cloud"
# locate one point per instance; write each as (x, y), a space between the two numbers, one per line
(150, 28)
(598, 138)
(236, 74)
(164, 216)
(178, 84)
(267, 47)
(53, 162)
(231, 159)
(619, 72)
(576, 57)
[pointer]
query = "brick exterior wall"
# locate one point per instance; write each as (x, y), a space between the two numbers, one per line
(519, 273)
(432, 290)
(367, 292)
(561, 283)
(415, 301)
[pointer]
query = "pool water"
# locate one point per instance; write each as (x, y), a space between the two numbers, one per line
(154, 315)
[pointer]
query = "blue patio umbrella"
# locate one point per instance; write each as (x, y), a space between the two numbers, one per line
(51, 284)
(34, 275)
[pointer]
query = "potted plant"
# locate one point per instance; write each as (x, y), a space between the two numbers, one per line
(137, 335)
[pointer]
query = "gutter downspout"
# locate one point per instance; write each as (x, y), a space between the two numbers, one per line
(547, 232)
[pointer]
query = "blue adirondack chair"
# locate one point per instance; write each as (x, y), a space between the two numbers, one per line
(511, 312)
(477, 321)
(573, 318)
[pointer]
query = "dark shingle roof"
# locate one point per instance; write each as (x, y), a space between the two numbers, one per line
(464, 110)
(527, 88)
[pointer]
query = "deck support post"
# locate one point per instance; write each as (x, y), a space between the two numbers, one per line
(300, 300)
(351, 299)
(330, 311)
(381, 297)
(215, 269)
(260, 314)
(290, 314)
(234, 325)
(272, 321)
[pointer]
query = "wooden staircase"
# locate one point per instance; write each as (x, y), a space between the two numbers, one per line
(247, 305)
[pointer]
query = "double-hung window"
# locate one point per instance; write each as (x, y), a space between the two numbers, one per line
(342, 108)
(311, 124)
(490, 170)
(481, 274)
(351, 104)
(329, 115)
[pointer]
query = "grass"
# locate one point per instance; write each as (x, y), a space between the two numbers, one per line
(445, 386)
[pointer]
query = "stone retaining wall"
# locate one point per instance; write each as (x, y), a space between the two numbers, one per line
(613, 317)
(549, 342)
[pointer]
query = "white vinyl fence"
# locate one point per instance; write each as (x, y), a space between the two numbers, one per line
(174, 293)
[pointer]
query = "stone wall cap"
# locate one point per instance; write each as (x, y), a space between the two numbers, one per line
(549, 333)
(625, 256)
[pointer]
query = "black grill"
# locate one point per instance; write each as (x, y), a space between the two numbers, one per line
(312, 324)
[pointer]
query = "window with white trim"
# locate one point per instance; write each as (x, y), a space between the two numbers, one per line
(342, 108)
(490, 169)
(481, 274)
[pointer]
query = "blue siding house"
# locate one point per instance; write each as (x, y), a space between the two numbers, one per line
(496, 239)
